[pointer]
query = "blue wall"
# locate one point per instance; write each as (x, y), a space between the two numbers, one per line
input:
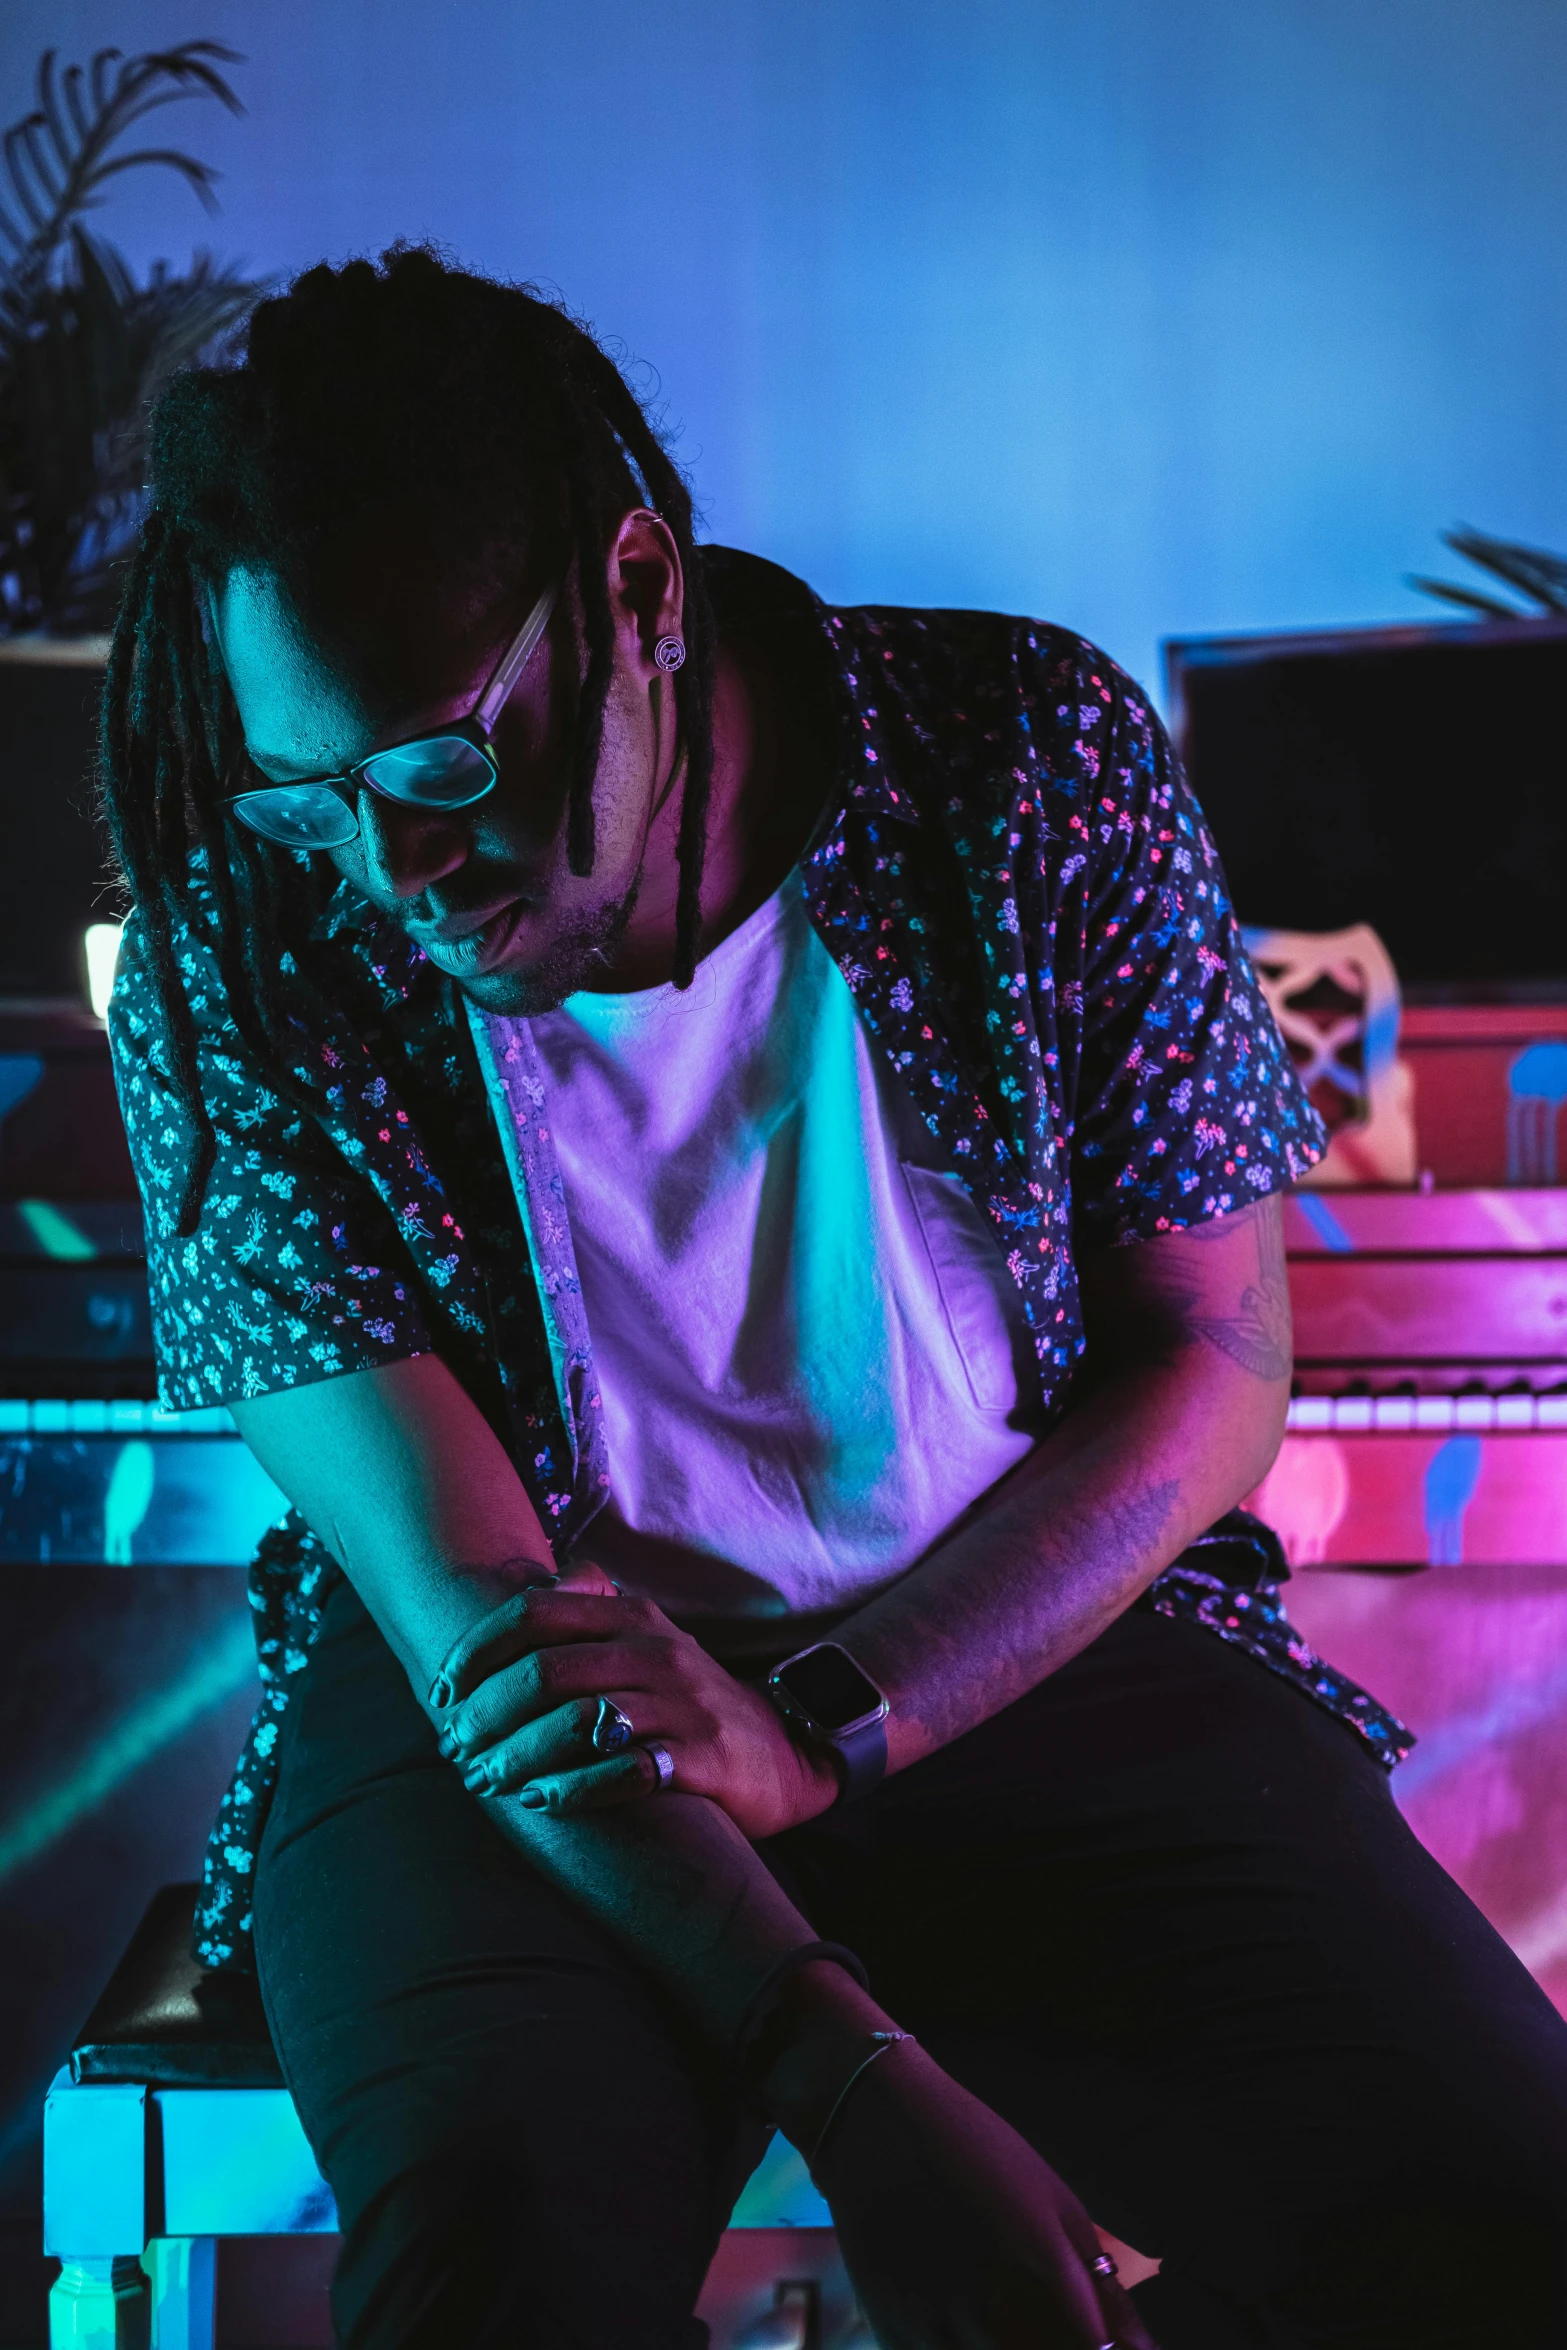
(1156, 316)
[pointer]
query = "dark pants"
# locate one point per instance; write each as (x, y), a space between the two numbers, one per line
(1161, 1913)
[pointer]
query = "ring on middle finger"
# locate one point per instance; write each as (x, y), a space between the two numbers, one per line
(611, 1728)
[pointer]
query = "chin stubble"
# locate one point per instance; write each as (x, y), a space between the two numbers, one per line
(562, 970)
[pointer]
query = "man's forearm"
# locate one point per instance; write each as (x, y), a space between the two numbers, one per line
(1037, 1571)
(671, 1878)
(675, 1882)
(421, 1506)
(1065, 1544)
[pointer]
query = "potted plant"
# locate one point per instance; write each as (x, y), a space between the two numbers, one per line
(85, 345)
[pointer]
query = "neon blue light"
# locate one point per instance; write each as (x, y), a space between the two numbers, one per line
(55, 1232)
(215, 1675)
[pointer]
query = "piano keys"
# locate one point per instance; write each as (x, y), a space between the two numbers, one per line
(1429, 1424)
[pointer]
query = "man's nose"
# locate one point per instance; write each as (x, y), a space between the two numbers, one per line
(406, 849)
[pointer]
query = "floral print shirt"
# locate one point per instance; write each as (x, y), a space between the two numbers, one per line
(1019, 889)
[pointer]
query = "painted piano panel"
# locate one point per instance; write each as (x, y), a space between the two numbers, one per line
(1370, 1311)
(1406, 1500)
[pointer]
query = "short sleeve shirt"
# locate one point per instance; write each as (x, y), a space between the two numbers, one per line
(1017, 884)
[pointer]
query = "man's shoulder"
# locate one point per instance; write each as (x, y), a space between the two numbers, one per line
(1008, 658)
(968, 656)
(984, 710)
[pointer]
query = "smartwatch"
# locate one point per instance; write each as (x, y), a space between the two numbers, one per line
(824, 1697)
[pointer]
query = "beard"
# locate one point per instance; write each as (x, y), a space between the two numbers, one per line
(567, 965)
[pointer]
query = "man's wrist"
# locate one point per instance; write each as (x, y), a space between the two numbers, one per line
(821, 1776)
(807, 1774)
(821, 2031)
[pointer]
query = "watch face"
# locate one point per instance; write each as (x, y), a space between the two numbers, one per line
(827, 1684)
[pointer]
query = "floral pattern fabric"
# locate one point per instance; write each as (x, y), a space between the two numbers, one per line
(1019, 889)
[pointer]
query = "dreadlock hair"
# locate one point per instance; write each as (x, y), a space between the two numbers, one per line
(404, 377)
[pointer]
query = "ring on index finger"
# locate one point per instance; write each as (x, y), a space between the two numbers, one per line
(611, 1728)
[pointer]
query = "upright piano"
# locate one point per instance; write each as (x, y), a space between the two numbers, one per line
(1389, 806)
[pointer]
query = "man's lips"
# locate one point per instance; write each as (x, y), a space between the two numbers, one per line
(458, 926)
(467, 944)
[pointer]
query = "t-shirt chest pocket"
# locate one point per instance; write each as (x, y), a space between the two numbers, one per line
(978, 1296)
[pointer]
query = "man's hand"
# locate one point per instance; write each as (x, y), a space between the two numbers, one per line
(518, 1697)
(953, 2229)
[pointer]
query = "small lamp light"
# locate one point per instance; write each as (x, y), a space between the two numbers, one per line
(103, 945)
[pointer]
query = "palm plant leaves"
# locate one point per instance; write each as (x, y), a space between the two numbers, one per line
(1467, 598)
(1539, 577)
(85, 348)
(59, 159)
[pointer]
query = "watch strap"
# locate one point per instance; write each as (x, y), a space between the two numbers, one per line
(863, 1754)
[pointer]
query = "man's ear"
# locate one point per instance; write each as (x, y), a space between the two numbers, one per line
(646, 582)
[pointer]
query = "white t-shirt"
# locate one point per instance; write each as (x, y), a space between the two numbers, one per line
(807, 1345)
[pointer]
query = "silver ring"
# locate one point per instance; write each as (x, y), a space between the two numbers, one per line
(663, 1762)
(1103, 2266)
(611, 1728)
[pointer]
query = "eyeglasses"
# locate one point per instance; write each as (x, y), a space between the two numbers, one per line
(450, 769)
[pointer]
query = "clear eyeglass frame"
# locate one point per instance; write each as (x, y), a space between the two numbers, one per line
(451, 768)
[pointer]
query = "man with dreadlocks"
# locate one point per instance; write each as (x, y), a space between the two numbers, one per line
(726, 1155)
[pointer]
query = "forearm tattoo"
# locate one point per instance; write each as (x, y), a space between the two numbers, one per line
(944, 1656)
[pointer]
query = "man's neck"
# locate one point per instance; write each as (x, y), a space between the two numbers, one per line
(766, 797)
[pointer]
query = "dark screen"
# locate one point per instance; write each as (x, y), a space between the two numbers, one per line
(1412, 779)
(831, 1687)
